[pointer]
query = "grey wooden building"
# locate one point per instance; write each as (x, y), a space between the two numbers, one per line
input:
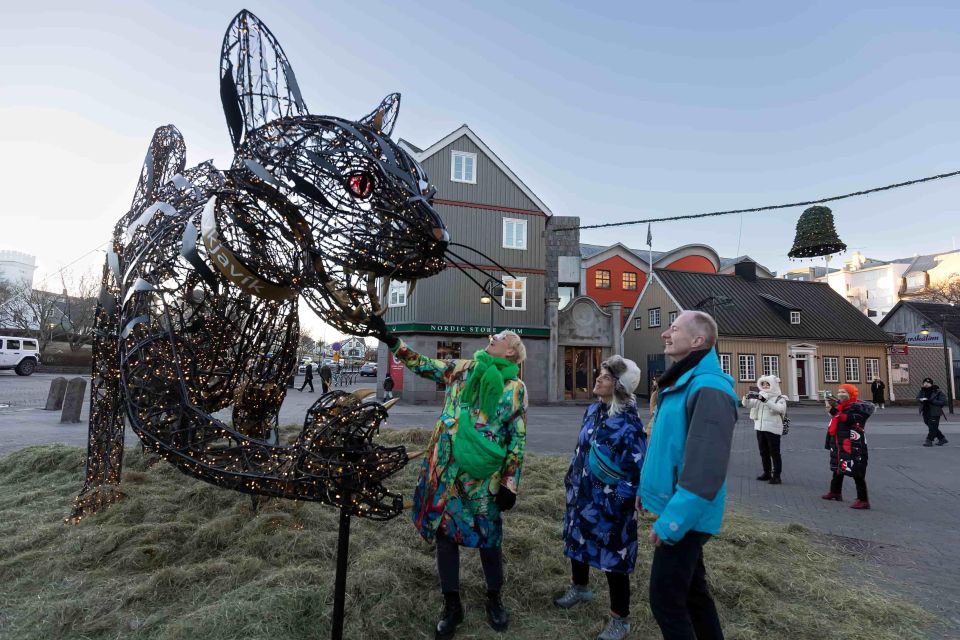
(486, 206)
(908, 318)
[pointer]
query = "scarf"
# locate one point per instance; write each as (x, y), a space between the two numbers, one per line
(680, 367)
(835, 419)
(486, 380)
(476, 455)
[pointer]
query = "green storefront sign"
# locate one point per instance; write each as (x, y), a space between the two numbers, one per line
(466, 329)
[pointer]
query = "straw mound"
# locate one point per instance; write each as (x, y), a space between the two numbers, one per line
(178, 558)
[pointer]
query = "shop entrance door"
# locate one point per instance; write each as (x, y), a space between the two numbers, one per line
(580, 366)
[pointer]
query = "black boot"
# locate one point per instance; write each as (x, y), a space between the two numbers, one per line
(765, 477)
(496, 612)
(452, 616)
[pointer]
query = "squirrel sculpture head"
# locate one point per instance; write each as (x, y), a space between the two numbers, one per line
(329, 208)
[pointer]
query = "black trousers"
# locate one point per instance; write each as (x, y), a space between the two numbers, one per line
(933, 428)
(836, 486)
(618, 583)
(448, 566)
(307, 381)
(769, 444)
(679, 597)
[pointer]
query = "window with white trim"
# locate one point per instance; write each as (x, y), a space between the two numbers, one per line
(398, 294)
(671, 318)
(794, 317)
(638, 323)
(748, 367)
(771, 366)
(872, 365)
(463, 167)
(851, 369)
(653, 317)
(514, 293)
(917, 280)
(514, 233)
(725, 363)
(831, 369)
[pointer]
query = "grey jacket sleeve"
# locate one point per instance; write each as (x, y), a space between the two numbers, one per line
(712, 417)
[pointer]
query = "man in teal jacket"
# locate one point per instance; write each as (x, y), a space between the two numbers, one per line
(683, 480)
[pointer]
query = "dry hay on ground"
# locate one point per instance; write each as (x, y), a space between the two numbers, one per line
(178, 558)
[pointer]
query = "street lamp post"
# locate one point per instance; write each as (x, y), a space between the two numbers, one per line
(946, 357)
(492, 290)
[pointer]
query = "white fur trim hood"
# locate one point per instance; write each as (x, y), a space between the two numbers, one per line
(767, 414)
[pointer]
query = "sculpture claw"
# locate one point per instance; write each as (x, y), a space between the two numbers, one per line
(389, 403)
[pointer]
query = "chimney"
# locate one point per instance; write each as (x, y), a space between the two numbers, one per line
(746, 269)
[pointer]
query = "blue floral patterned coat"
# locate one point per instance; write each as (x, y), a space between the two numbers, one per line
(600, 526)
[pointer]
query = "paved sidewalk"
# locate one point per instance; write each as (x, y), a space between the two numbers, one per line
(909, 534)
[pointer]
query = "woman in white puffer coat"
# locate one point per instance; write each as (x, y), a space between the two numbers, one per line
(767, 408)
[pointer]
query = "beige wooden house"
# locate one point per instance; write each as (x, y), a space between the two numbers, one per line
(803, 332)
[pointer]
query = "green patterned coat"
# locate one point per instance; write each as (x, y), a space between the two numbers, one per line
(446, 504)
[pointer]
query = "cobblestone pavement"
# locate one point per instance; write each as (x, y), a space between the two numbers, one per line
(909, 535)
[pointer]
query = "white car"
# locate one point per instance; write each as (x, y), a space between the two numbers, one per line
(20, 354)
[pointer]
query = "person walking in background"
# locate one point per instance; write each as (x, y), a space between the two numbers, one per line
(767, 408)
(308, 377)
(600, 525)
(683, 479)
(876, 388)
(326, 376)
(471, 470)
(653, 405)
(387, 386)
(847, 442)
(932, 400)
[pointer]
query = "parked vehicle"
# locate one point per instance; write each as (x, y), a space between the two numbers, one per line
(369, 369)
(20, 354)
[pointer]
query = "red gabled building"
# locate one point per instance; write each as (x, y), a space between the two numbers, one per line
(617, 273)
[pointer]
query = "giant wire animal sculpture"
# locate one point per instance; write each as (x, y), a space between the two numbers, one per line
(198, 309)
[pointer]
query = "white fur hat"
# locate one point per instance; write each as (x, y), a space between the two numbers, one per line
(626, 372)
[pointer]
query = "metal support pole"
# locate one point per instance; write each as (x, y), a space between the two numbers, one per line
(947, 365)
(492, 329)
(340, 582)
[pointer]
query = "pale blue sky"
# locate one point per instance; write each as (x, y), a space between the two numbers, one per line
(608, 111)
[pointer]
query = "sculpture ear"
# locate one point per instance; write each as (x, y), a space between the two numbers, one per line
(384, 117)
(257, 84)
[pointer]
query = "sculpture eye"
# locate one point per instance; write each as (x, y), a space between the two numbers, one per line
(360, 184)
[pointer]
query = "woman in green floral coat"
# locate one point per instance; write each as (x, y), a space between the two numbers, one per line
(459, 499)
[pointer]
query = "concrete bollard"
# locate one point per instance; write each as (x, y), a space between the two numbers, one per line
(73, 400)
(58, 387)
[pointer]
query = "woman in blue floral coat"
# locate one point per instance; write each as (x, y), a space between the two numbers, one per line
(600, 525)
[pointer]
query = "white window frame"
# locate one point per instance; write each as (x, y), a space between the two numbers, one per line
(746, 373)
(794, 317)
(400, 289)
(725, 363)
(453, 166)
(873, 372)
(916, 281)
(847, 361)
(509, 284)
(637, 323)
(517, 224)
(671, 317)
(771, 370)
(653, 317)
(831, 369)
